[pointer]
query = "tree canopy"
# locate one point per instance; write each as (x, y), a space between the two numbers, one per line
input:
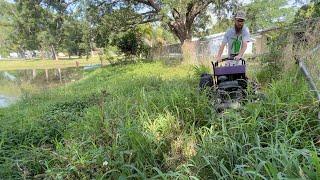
(179, 16)
(267, 13)
(78, 26)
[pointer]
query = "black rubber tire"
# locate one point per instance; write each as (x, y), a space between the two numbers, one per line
(206, 81)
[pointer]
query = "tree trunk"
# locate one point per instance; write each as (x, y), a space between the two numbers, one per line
(54, 53)
(181, 30)
(21, 53)
(47, 74)
(34, 73)
(87, 55)
(91, 48)
(42, 52)
(181, 24)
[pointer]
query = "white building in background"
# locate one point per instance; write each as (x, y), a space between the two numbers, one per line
(204, 49)
(215, 40)
(13, 55)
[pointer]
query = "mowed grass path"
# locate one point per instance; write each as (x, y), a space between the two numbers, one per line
(46, 64)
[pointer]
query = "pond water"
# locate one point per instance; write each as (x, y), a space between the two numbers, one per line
(13, 84)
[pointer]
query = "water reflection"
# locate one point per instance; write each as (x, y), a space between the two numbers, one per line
(14, 83)
(6, 100)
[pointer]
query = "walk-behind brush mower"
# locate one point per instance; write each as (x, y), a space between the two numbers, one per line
(227, 86)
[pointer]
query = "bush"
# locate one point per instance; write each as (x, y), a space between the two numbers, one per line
(131, 44)
(112, 54)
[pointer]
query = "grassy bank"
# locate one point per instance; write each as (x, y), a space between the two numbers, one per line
(148, 121)
(46, 64)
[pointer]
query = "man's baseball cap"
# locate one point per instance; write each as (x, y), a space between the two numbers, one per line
(240, 15)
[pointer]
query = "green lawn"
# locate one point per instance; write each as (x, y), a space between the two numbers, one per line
(46, 64)
(149, 121)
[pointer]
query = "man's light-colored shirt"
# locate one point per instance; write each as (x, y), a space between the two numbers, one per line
(234, 40)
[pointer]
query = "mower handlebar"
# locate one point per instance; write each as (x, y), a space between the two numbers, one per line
(215, 64)
(229, 58)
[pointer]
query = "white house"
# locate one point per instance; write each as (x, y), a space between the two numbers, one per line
(13, 55)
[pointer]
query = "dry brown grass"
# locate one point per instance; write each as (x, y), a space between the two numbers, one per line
(183, 148)
(189, 52)
(308, 53)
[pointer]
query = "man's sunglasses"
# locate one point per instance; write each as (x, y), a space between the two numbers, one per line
(240, 20)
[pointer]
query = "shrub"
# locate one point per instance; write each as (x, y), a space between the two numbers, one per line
(131, 44)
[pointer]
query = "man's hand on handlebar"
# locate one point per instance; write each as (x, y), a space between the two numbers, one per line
(237, 57)
(218, 59)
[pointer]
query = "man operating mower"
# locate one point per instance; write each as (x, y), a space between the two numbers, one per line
(236, 37)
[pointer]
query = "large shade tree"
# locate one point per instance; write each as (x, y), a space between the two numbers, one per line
(179, 16)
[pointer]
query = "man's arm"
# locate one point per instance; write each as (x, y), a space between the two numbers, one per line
(222, 45)
(221, 48)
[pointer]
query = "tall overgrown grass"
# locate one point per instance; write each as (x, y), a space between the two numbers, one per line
(148, 120)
